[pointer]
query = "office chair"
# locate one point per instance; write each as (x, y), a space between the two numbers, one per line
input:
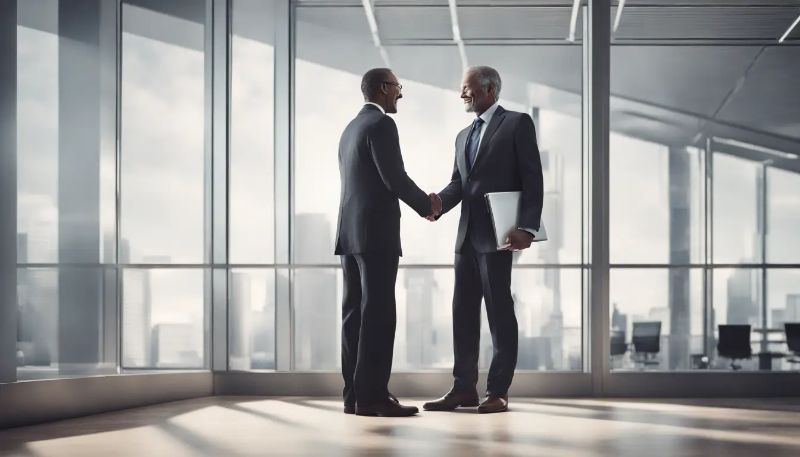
(792, 330)
(646, 342)
(618, 345)
(734, 343)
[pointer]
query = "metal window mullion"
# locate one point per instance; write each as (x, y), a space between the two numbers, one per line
(218, 97)
(284, 122)
(8, 191)
(118, 190)
(763, 216)
(708, 290)
(597, 66)
(586, 182)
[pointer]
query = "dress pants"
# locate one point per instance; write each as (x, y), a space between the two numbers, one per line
(368, 324)
(483, 276)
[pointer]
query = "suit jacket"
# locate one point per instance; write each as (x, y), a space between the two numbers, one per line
(373, 178)
(508, 160)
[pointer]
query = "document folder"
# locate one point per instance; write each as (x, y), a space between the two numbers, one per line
(504, 209)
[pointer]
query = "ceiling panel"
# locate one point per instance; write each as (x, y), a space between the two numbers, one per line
(769, 98)
(438, 66)
(683, 23)
(516, 22)
(687, 78)
(439, 2)
(554, 66)
(759, 3)
(413, 22)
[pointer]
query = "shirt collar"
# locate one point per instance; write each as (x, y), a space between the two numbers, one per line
(487, 115)
(375, 104)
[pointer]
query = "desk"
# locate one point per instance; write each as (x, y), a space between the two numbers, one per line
(768, 330)
(765, 359)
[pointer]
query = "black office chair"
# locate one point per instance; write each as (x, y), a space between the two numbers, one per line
(618, 345)
(792, 330)
(646, 342)
(734, 343)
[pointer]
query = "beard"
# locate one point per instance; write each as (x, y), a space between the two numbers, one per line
(469, 107)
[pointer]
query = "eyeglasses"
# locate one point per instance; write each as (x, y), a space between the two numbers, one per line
(399, 86)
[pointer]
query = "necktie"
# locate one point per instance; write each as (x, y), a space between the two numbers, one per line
(472, 142)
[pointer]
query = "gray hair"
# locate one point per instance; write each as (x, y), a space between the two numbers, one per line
(488, 76)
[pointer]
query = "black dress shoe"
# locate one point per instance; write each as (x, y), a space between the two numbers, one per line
(349, 408)
(494, 404)
(388, 407)
(453, 400)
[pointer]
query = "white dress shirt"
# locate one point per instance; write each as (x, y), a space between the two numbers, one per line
(375, 104)
(487, 117)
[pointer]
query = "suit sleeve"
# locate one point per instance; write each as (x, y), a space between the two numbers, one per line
(451, 194)
(385, 149)
(530, 169)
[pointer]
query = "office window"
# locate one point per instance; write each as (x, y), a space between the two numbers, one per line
(163, 318)
(163, 159)
(656, 202)
(697, 127)
(37, 145)
(669, 300)
(66, 126)
(334, 49)
(549, 314)
(737, 210)
(738, 300)
(317, 305)
(66, 322)
(251, 319)
(783, 216)
(548, 309)
(783, 306)
(251, 189)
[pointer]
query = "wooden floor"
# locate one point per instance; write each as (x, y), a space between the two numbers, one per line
(293, 426)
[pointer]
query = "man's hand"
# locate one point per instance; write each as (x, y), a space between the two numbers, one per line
(436, 207)
(518, 239)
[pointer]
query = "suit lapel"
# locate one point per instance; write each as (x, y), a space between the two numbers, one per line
(497, 119)
(461, 159)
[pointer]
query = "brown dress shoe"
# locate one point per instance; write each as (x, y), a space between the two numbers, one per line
(349, 408)
(452, 400)
(388, 407)
(494, 404)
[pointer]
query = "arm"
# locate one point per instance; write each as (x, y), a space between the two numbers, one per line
(451, 194)
(384, 146)
(530, 169)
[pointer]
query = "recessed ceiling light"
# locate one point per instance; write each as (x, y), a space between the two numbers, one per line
(789, 30)
(757, 148)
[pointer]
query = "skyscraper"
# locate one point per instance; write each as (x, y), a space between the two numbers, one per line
(743, 293)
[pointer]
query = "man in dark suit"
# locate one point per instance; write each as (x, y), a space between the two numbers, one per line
(497, 153)
(368, 241)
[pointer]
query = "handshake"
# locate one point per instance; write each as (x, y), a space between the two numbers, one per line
(436, 207)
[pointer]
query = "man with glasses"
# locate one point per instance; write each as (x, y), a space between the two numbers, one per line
(368, 240)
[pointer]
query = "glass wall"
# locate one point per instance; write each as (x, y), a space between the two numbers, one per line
(120, 206)
(163, 208)
(252, 159)
(334, 48)
(66, 67)
(700, 122)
